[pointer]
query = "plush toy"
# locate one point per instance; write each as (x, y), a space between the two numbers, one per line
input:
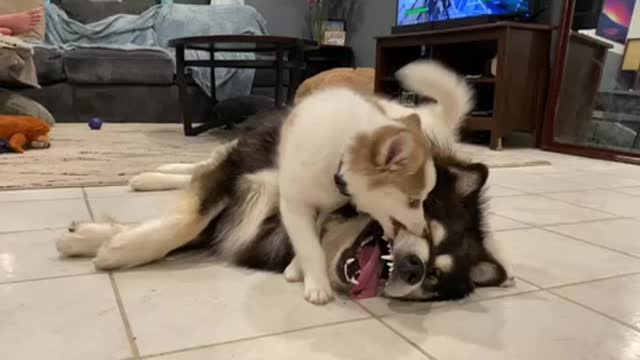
(22, 132)
(359, 79)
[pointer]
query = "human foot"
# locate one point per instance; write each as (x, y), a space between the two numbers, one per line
(21, 22)
(5, 31)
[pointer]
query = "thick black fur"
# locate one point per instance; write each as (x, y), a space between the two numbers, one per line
(463, 218)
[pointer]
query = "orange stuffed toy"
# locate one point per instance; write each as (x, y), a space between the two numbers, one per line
(22, 132)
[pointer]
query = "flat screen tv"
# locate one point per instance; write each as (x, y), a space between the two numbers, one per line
(415, 15)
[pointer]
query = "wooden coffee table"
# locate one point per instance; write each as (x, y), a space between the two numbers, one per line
(288, 56)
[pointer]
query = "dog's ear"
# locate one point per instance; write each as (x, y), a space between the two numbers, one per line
(488, 272)
(470, 178)
(394, 151)
(412, 122)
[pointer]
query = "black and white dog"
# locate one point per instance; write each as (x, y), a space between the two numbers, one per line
(230, 206)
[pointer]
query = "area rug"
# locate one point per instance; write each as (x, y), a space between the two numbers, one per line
(83, 157)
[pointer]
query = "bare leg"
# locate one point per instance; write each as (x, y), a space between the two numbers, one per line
(5, 31)
(21, 22)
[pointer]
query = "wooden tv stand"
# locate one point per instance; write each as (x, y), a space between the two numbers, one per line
(512, 100)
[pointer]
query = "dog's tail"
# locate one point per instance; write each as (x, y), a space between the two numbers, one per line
(455, 98)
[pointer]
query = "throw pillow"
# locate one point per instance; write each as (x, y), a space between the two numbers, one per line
(14, 6)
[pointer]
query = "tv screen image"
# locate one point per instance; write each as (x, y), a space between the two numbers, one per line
(411, 12)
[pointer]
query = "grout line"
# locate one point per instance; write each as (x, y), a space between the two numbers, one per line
(87, 204)
(284, 332)
(123, 315)
(390, 328)
(593, 244)
(47, 278)
(584, 282)
(33, 230)
(632, 327)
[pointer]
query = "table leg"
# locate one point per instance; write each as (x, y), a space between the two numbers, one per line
(279, 76)
(212, 76)
(296, 59)
(182, 92)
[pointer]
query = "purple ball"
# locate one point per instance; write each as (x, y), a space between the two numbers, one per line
(95, 124)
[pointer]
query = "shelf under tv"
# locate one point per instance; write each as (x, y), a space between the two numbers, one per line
(516, 95)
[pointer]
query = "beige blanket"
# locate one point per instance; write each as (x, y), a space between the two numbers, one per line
(16, 62)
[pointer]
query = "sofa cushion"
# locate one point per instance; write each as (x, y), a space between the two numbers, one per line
(86, 11)
(49, 65)
(111, 66)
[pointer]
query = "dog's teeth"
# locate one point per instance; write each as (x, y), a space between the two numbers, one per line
(349, 261)
(353, 281)
(390, 268)
(387, 257)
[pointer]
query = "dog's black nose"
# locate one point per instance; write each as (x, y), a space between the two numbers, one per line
(411, 269)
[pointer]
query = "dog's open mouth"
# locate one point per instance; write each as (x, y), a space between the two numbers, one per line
(368, 263)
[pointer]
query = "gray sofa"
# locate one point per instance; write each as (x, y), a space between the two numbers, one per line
(117, 85)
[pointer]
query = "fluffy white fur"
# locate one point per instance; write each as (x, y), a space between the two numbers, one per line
(440, 121)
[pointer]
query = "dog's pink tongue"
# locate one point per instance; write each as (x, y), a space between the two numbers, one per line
(369, 261)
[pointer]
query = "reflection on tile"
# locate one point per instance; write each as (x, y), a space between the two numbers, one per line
(498, 223)
(531, 326)
(41, 214)
(618, 234)
(382, 306)
(538, 210)
(616, 297)
(33, 254)
(181, 307)
(339, 342)
(40, 194)
(604, 200)
(67, 319)
(548, 259)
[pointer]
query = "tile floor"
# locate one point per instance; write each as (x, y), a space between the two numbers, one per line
(570, 230)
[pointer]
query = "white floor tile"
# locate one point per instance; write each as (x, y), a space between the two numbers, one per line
(499, 223)
(382, 306)
(525, 327)
(618, 297)
(548, 259)
(67, 319)
(538, 210)
(33, 255)
(40, 194)
(605, 200)
(635, 191)
(133, 208)
(519, 179)
(41, 214)
(174, 308)
(498, 191)
(111, 191)
(618, 234)
(360, 340)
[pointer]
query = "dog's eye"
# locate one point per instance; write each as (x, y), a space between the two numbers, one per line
(414, 203)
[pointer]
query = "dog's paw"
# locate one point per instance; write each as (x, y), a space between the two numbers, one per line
(176, 168)
(84, 239)
(510, 282)
(318, 294)
(147, 182)
(293, 273)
